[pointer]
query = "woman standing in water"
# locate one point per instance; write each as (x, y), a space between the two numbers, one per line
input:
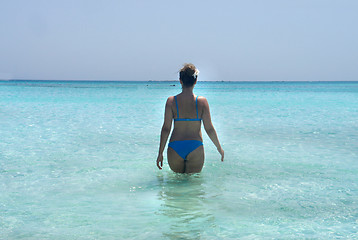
(185, 149)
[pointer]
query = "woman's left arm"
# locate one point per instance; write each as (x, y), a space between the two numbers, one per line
(167, 125)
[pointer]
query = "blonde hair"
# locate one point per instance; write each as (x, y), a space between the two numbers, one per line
(188, 74)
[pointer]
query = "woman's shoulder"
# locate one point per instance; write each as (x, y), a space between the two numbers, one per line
(202, 100)
(170, 100)
(200, 97)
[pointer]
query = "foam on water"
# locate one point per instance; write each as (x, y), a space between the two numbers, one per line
(77, 161)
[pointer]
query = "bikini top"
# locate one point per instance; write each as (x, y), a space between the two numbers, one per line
(187, 119)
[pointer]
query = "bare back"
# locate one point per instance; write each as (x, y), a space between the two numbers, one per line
(186, 130)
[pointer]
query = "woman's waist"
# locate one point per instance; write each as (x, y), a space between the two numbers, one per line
(185, 136)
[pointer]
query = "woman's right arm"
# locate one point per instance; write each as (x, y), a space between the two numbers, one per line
(209, 128)
(167, 125)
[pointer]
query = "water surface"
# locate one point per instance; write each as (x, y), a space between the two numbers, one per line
(77, 161)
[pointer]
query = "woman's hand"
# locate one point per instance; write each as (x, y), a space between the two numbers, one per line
(221, 151)
(160, 161)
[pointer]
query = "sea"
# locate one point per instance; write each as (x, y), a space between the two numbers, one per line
(78, 161)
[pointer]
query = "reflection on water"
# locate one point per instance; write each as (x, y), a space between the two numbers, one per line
(184, 208)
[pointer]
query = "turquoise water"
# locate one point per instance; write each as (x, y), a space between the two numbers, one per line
(77, 161)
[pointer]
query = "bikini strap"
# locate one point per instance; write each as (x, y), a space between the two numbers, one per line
(176, 103)
(196, 103)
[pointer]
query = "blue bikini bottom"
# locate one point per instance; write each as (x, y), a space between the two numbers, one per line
(183, 148)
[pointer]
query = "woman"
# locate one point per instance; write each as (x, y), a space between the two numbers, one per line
(185, 149)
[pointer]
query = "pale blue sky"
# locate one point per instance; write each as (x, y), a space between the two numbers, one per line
(149, 40)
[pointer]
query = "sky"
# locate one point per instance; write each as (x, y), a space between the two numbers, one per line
(251, 40)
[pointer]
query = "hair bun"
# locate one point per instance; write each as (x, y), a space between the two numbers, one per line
(188, 74)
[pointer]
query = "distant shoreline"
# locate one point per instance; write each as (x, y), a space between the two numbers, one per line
(171, 81)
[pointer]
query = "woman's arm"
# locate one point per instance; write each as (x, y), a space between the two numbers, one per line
(209, 128)
(167, 125)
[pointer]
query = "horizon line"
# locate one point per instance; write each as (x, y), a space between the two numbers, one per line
(106, 80)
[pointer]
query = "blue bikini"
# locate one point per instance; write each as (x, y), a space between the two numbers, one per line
(184, 147)
(187, 119)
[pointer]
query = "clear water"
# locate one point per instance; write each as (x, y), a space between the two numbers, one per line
(77, 161)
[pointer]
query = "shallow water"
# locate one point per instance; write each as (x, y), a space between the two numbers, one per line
(77, 161)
